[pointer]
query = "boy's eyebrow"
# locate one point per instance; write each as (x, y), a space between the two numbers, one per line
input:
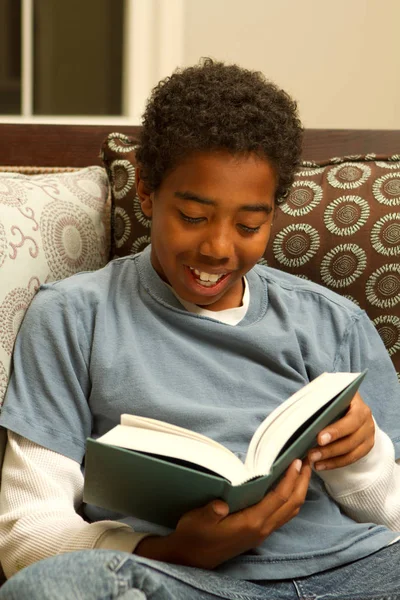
(258, 207)
(195, 198)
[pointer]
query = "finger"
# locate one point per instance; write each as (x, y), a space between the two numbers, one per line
(274, 499)
(345, 459)
(345, 426)
(291, 508)
(340, 447)
(284, 489)
(363, 439)
(357, 415)
(254, 516)
(301, 486)
(299, 489)
(290, 490)
(210, 514)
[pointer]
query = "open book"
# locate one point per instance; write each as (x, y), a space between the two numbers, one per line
(157, 471)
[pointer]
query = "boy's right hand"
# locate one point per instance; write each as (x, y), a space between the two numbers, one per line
(208, 536)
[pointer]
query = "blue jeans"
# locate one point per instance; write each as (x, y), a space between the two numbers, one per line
(109, 575)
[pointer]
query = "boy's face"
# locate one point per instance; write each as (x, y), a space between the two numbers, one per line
(211, 221)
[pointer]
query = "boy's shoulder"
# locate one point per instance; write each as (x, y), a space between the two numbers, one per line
(105, 275)
(87, 287)
(290, 285)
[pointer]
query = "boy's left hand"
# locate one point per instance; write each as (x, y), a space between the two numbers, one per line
(345, 441)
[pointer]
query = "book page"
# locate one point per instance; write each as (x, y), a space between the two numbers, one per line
(278, 414)
(282, 423)
(165, 444)
(155, 425)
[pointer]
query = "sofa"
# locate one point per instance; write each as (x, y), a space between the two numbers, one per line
(68, 203)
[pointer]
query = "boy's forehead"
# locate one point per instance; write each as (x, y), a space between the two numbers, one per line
(222, 168)
(221, 180)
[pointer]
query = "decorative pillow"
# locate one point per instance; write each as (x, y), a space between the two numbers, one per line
(338, 226)
(51, 226)
(130, 228)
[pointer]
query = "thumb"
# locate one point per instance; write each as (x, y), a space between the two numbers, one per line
(216, 510)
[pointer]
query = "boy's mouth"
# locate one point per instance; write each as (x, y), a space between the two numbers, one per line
(207, 279)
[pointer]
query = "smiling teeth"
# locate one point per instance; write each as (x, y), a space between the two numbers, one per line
(207, 278)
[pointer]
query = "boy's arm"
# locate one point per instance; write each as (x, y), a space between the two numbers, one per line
(40, 489)
(39, 492)
(369, 489)
(360, 470)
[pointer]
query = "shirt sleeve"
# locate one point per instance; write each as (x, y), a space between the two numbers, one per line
(40, 493)
(369, 489)
(46, 400)
(362, 348)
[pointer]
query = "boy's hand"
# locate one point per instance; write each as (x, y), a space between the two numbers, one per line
(208, 536)
(345, 441)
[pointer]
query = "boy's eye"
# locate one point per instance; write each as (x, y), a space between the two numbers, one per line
(190, 219)
(248, 229)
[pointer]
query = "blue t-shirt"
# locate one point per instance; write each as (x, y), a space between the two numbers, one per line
(118, 340)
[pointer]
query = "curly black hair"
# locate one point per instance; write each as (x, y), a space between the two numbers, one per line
(213, 106)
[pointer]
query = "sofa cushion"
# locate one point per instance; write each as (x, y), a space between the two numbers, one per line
(339, 226)
(130, 228)
(51, 226)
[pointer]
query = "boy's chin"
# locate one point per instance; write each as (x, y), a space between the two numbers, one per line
(205, 301)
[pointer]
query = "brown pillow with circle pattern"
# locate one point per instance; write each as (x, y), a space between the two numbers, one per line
(339, 226)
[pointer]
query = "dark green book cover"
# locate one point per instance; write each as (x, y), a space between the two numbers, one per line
(161, 490)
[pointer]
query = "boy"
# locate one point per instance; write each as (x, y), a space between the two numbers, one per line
(194, 332)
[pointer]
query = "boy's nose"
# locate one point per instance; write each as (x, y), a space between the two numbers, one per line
(218, 244)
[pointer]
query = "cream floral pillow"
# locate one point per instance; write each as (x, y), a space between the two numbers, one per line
(51, 226)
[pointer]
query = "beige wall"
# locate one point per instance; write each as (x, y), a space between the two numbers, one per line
(340, 59)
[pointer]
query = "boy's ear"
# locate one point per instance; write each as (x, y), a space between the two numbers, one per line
(145, 197)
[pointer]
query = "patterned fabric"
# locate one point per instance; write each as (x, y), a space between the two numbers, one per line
(51, 226)
(338, 226)
(130, 228)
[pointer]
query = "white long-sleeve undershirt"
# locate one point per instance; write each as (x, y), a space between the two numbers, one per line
(42, 490)
(369, 489)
